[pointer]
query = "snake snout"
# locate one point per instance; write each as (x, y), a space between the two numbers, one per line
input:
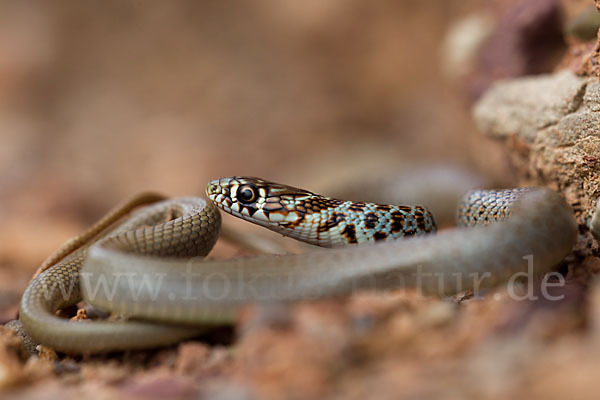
(213, 188)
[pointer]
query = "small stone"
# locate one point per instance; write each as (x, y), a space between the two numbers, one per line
(438, 314)
(81, 315)
(46, 353)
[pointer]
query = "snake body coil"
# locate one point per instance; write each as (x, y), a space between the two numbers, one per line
(169, 298)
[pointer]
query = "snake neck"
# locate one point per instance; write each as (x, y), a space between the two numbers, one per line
(316, 219)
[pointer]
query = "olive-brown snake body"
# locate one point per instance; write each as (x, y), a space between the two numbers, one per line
(173, 298)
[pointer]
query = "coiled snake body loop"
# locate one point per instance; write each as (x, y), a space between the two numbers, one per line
(172, 298)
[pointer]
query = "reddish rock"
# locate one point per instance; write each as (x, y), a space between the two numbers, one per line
(527, 40)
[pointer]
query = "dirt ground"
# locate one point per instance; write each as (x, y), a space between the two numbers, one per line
(101, 101)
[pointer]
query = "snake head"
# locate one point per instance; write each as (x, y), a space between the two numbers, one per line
(259, 201)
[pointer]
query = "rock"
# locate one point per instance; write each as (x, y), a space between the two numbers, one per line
(592, 96)
(526, 40)
(556, 117)
(524, 106)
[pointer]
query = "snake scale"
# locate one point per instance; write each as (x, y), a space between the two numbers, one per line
(147, 264)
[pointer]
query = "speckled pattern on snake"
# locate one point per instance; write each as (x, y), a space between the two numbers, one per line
(148, 266)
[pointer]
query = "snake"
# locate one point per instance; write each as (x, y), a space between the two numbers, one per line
(146, 265)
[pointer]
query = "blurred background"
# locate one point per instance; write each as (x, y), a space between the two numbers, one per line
(101, 100)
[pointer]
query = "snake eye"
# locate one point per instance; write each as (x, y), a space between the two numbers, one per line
(247, 194)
